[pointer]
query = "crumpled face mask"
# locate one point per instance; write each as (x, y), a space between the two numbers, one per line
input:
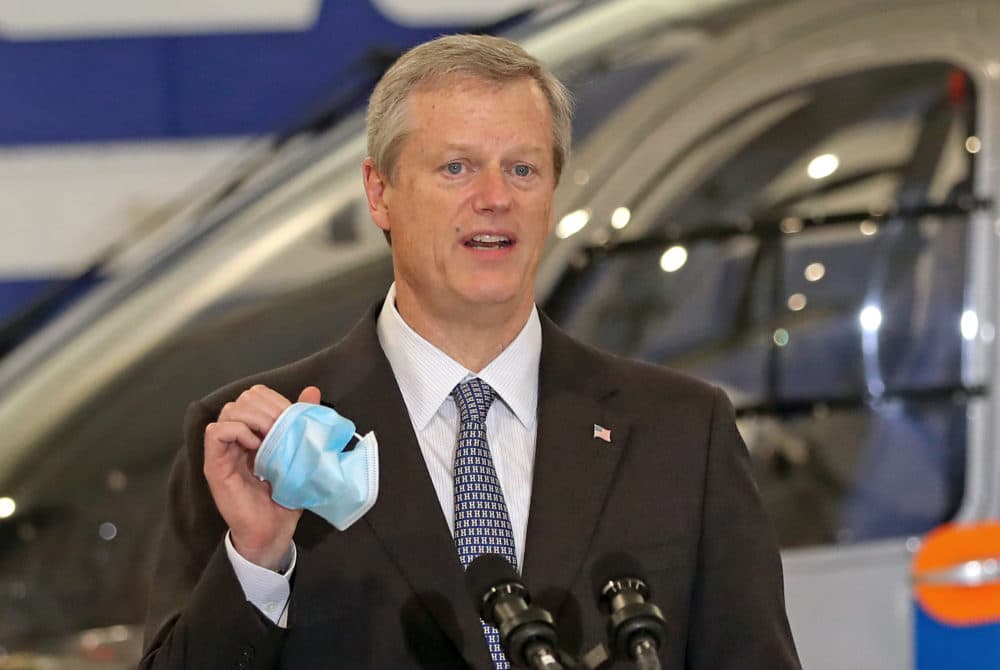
(303, 458)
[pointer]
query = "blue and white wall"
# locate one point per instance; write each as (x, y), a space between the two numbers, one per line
(111, 108)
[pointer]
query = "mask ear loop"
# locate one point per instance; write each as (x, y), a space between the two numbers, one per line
(357, 441)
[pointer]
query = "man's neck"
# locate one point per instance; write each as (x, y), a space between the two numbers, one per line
(473, 339)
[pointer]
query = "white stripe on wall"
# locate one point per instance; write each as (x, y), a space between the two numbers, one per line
(73, 18)
(60, 206)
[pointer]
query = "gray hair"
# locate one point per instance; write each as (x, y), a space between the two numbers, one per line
(492, 59)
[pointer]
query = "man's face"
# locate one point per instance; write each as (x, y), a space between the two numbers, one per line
(469, 206)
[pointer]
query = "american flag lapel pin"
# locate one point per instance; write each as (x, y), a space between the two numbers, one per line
(602, 433)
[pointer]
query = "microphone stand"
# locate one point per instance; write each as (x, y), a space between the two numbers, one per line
(527, 631)
(637, 627)
(644, 653)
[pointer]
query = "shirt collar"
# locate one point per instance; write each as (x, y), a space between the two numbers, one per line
(426, 375)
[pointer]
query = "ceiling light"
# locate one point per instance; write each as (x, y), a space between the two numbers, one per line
(814, 271)
(673, 259)
(796, 302)
(969, 324)
(620, 218)
(572, 223)
(823, 166)
(870, 318)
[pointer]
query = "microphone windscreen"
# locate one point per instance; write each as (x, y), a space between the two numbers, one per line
(616, 565)
(485, 572)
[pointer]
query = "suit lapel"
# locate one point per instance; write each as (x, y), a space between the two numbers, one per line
(407, 518)
(573, 469)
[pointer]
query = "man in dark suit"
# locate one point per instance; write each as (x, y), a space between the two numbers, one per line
(467, 137)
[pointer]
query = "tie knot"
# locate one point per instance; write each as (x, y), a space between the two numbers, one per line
(473, 398)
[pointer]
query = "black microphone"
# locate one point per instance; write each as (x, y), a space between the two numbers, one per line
(636, 628)
(527, 632)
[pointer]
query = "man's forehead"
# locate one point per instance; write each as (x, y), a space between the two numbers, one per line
(454, 123)
(467, 91)
(429, 102)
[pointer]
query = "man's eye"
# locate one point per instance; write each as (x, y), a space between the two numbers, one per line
(522, 170)
(454, 167)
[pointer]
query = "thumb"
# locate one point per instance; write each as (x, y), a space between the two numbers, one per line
(310, 394)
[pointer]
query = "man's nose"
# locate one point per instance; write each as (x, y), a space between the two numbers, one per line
(493, 191)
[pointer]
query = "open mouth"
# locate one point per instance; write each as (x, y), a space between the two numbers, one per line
(488, 242)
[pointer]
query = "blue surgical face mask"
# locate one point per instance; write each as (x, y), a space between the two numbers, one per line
(303, 458)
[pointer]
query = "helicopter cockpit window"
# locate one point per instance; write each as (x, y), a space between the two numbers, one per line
(811, 260)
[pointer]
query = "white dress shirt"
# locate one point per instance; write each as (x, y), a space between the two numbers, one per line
(426, 376)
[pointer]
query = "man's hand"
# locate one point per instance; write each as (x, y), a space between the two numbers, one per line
(261, 529)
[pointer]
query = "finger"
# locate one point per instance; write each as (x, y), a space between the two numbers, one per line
(259, 419)
(310, 394)
(250, 408)
(264, 397)
(221, 435)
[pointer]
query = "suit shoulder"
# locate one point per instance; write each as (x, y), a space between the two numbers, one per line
(351, 356)
(288, 380)
(632, 380)
(630, 376)
(642, 375)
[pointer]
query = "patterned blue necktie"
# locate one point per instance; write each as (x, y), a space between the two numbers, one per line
(482, 525)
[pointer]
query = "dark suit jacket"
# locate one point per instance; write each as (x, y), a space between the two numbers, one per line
(673, 489)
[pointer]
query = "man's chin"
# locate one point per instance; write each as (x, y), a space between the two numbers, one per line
(494, 297)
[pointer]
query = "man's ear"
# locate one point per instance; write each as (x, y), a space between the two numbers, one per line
(375, 187)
